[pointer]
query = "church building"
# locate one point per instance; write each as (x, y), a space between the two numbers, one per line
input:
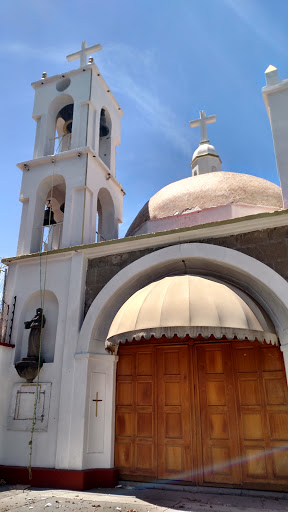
(160, 356)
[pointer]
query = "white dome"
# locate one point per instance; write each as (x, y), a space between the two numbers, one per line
(206, 191)
(192, 305)
(204, 149)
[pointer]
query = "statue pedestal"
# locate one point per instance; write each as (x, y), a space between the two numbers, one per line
(27, 368)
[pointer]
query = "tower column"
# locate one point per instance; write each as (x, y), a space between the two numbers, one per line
(275, 96)
(78, 231)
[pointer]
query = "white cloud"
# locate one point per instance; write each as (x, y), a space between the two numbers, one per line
(25, 51)
(253, 14)
(132, 73)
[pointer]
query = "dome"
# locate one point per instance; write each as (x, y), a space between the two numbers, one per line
(192, 305)
(207, 191)
(204, 149)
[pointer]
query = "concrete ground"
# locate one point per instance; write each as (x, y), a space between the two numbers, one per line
(139, 498)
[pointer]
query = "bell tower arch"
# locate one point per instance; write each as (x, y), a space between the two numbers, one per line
(78, 128)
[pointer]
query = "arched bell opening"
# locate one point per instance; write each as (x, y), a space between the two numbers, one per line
(105, 137)
(54, 217)
(64, 126)
(49, 214)
(60, 124)
(105, 220)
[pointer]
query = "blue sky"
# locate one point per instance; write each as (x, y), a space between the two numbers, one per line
(164, 60)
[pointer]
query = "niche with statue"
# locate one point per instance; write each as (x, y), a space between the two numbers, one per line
(37, 329)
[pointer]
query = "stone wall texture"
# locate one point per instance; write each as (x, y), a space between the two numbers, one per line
(270, 246)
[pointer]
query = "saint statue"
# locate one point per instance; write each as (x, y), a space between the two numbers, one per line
(35, 333)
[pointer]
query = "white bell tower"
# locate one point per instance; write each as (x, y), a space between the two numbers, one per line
(72, 173)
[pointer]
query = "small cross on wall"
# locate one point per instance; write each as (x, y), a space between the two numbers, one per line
(82, 54)
(96, 400)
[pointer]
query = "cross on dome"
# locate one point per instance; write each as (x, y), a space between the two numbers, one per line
(202, 122)
(82, 54)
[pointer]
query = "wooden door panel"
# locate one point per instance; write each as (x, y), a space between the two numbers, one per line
(144, 393)
(174, 439)
(271, 359)
(255, 463)
(124, 424)
(278, 425)
(173, 425)
(135, 440)
(233, 418)
(171, 363)
(214, 361)
(249, 390)
(217, 414)
(144, 424)
(218, 425)
(280, 461)
(246, 360)
(124, 453)
(216, 391)
(252, 423)
(220, 463)
(172, 393)
(125, 364)
(144, 456)
(124, 394)
(174, 462)
(275, 388)
(145, 364)
(253, 428)
(263, 412)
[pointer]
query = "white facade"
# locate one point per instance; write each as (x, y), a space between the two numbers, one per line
(81, 367)
(74, 431)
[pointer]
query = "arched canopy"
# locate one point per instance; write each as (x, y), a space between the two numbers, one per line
(193, 305)
(268, 288)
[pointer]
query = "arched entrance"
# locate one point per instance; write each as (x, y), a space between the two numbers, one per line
(205, 412)
(199, 409)
(262, 283)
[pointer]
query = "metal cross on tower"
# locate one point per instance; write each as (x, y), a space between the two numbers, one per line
(82, 54)
(202, 122)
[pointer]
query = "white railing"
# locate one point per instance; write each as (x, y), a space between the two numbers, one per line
(60, 144)
(51, 237)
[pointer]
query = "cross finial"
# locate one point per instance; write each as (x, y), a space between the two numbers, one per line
(82, 54)
(202, 122)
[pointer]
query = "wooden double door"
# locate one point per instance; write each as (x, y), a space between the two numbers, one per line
(211, 413)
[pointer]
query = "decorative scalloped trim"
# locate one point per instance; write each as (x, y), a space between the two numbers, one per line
(193, 332)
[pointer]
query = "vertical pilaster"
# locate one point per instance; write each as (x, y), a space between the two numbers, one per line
(73, 373)
(276, 101)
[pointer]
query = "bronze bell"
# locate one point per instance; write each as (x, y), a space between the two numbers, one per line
(66, 113)
(104, 130)
(49, 217)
